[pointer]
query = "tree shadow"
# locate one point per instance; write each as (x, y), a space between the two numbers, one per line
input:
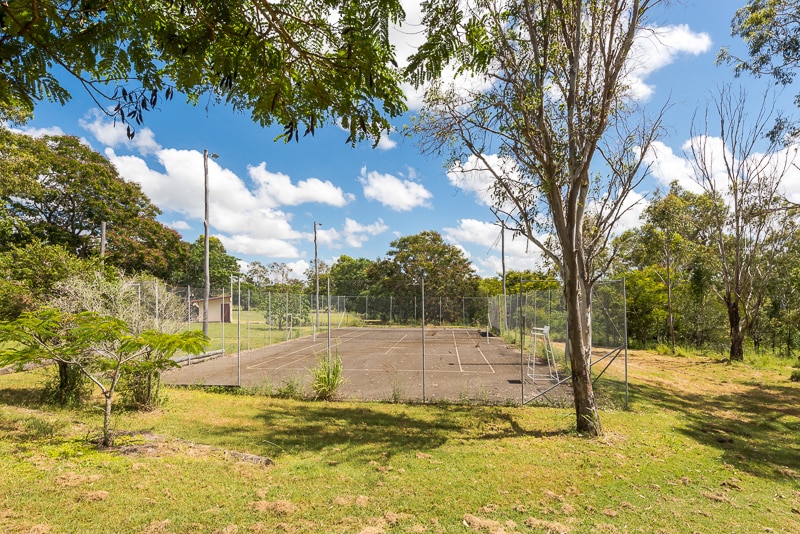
(756, 431)
(22, 397)
(319, 426)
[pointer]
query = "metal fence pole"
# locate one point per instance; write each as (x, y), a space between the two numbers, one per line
(422, 278)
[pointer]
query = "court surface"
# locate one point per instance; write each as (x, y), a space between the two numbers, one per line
(388, 364)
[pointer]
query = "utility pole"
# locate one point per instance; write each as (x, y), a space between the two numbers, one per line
(206, 273)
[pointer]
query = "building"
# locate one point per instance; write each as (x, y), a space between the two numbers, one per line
(219, 309)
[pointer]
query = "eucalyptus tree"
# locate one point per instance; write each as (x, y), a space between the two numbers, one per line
(741, 168)
(769, 29)
(548, 96)
(299, 63)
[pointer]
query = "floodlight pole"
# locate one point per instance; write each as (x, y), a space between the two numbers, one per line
(206, 270)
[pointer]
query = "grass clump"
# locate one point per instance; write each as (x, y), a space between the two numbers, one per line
(327, 377)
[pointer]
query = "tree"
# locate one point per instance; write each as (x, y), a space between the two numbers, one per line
(770, 29)
(221, 265)
(100, 346)
(741, 171)
(300, 63)
(548, 96)
(30, 274)
(349, 275)
(59, 191)
(446, 270)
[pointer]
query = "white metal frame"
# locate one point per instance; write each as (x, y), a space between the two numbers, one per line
(542, 335)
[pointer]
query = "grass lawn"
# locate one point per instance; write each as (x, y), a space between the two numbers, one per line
(706, 447)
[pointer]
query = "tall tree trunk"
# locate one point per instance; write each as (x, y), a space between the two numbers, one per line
(737, 336)
(669, 302)
(579, 332)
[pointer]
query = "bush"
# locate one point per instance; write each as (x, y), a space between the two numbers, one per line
(795, 377)
(327, 377)
(69, 387)
(141, 389)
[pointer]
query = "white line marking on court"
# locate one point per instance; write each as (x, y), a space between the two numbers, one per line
(458, 356)
(484, 359)
(394, 345)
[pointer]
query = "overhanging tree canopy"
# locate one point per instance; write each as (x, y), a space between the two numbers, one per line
(300, 63)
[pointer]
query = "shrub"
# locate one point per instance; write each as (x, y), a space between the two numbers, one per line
(69, 387)
(795, 377)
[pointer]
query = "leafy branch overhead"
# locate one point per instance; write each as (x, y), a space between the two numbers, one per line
(298, 63)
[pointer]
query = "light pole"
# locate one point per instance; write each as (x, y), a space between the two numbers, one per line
(316, 275)
(206, 275)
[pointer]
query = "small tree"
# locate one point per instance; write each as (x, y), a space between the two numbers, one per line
(101, 347)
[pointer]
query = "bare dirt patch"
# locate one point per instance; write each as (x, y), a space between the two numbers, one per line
(281, 507)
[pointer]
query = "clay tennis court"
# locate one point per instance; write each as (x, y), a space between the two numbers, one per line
(388, 364)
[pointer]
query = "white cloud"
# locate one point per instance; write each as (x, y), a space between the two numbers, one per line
(178, 225)
(246, 221)
(247, 244)
(477, 176)
(386, 143)
(356, 234)
(353, 234)
(277, 189)
(666, 167)
(39, 132)
(111, 135)
(520, 254)
(396, 194)
(655, 48)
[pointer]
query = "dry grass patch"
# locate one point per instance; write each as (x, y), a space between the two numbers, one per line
(548, 527)
(71, 480)
(95, 496)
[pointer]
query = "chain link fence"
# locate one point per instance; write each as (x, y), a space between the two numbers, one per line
(246, 319)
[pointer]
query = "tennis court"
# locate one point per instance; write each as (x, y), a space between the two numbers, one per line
(453, 364)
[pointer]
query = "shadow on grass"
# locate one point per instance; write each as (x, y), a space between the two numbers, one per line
(310, 426)
(22, 397)
(756, 430)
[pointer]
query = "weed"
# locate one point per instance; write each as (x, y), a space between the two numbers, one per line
(397, 391)
(37, 428)
(291, 389)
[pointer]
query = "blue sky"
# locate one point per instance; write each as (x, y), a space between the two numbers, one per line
(266, 195)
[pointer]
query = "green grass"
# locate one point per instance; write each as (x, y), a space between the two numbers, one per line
(706, 447)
